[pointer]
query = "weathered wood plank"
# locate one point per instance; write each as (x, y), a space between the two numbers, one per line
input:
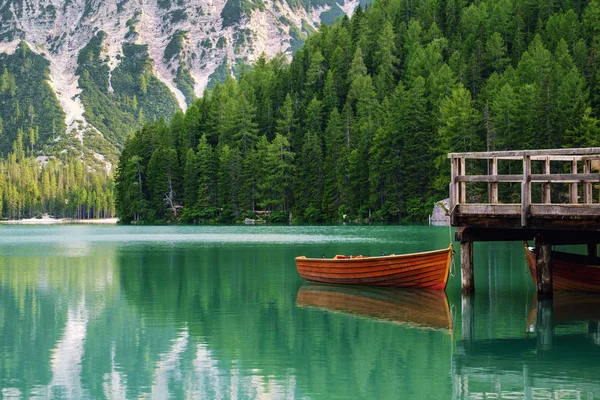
(587, 186)
(489, 209)
(573, 195)
(533, 158)
(544, 178)
(565, 178)
(493, 186)
(526, 190)
(564, 210)
(531, 153)
(490, 178)
(462, 198)
(546, 194)
(454, 199)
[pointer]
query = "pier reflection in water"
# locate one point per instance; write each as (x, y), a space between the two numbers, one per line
(558, 355)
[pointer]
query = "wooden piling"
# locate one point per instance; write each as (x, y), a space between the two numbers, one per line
(466, 267)
(544, 269)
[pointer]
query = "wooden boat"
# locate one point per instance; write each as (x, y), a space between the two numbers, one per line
(411, 307)
(569, 271)
(427, 270)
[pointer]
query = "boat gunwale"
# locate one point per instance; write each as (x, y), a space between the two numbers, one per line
(377, 258)
(568, 258)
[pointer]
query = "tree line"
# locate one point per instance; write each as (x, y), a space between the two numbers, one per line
(30, 187)
(359, 123)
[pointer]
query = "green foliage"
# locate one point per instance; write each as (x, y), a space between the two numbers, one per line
(185, 83)
(115, 103)
(175, 45)
(220, 75)
(61, 188)
(234, 10)
(358, 125)
(27, 102)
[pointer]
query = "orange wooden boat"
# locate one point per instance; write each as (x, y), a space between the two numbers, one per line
(411, 307)
(569, 271)
(427, 270)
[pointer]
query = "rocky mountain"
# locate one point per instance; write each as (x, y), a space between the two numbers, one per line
(79, 76)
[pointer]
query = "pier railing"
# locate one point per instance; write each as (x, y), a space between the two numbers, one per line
(576, 169)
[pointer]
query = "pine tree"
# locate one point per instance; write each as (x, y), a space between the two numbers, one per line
(190, 186)
(207, 180)
(334, 142)
(460, 124)
(311, 189)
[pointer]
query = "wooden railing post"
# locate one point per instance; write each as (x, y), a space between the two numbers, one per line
(573, 186)
(493, 186)
(546, 198)
(526, 190)
(587, 185)
(463, 185)
(453, 188)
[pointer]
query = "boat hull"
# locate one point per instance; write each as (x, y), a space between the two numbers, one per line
(428, 270)
(569, 271)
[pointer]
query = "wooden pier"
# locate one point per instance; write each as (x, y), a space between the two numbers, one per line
(551, 196)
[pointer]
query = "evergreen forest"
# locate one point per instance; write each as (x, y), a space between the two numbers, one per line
(358, 125)
(63, 188)
(70, 180)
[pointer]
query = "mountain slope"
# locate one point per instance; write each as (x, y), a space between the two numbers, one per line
(116, 64)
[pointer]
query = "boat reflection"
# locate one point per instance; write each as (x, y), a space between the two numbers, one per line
(412, 307)
(558, 355)
(567, 308)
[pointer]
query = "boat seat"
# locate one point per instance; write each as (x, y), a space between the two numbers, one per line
(345, 257)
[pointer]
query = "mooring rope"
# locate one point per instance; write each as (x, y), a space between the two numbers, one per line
(452, 266)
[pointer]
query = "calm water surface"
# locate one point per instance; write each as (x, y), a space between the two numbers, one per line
(220, 313)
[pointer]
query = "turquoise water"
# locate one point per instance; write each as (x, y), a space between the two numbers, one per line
(220, 313)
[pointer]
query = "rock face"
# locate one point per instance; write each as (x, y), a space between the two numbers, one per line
(440, 214)
(190, 44)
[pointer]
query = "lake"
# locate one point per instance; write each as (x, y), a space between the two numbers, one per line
(219, 312)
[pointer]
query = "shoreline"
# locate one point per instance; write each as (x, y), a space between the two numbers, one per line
(58, 221)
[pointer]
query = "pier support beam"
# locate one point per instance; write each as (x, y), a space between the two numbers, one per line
(543, 268)
(466, 267)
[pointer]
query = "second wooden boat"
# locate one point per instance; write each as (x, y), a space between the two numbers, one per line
(569, 271)
(427, 270)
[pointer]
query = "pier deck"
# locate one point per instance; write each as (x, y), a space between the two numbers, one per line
(552, 196)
